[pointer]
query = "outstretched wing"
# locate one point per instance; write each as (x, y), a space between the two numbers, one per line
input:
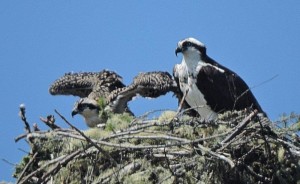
(87, 84)
(149, 84)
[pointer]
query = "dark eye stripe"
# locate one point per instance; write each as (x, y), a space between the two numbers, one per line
(85, 105)
(198, 47)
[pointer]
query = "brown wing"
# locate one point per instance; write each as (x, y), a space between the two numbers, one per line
(149, 84)
(87, 84)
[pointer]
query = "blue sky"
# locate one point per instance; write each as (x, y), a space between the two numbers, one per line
(42, 40)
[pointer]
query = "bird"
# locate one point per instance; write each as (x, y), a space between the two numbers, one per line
(145, 84)
(207, 87)
(103, 92)
(92, 88)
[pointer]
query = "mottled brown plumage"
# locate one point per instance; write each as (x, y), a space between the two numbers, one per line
(91, 86)
(148, 84)
(87, 84)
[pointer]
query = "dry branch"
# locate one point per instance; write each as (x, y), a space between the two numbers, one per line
(174, 150)
(87, 138)
(23, 118)
(240, 127)
(50, 122)
(26, 167)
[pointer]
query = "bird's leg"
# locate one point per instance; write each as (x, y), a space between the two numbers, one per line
(182, 100)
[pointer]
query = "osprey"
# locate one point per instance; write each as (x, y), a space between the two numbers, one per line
(208, 87)
(90, 87)
(106, 87)
(90, 110)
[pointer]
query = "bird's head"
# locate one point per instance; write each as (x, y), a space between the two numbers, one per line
(190, 46)
(86, 107)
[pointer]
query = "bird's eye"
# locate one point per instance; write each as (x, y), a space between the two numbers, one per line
(188, 44)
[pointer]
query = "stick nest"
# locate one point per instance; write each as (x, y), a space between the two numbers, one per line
(240, 147)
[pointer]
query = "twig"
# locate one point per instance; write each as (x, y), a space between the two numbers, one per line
(168, 161)
(8, 162)
(240, 127)
(267, 145)
(143, 116)
(230, 142)
(126, 146)
(242, 158)
(63, 160)
(293, 149)
(60, 164)
(23, 150)
(27, 166)
(222, 157)
(35, 127)
(25, 180)
(125, 170)
(23, 118)
(121, 134)
(129, 168)
(88, 139)
(165, 137)
(50, 122)
(257, 85)
(166, 178)
(258, 176)
(22, 136)
(182, 100)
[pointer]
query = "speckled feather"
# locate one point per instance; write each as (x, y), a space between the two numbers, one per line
(149, 84)
(87, 84)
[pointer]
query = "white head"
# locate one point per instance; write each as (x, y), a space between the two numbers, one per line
(89, 109)
(191, 47)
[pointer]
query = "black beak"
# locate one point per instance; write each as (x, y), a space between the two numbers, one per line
(74, 112)
(178, 49)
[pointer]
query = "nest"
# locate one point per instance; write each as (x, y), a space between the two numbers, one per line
(240, 147)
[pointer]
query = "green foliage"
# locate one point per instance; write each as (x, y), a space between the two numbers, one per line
(118, 122)
(257, 154)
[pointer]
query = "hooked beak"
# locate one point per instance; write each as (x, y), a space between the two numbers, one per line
(74, 112)
(178, 49)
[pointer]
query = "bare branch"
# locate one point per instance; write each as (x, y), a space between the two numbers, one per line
(23, 118)
(50, 122)
(222, 157)
(26, 167)
(240, 127)
(64, 159)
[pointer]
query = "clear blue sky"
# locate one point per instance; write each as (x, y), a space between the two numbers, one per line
(41, 40)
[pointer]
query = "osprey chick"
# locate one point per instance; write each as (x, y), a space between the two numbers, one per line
(90, 86)
(107, 85)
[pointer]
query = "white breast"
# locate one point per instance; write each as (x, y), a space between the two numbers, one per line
(194, 97)
(196, 100)
(91, 117)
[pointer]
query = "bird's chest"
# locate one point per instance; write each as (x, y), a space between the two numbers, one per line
(186, 81)
(183, 78)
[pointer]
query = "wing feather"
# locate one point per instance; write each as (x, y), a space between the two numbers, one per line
(149, 84)
(225, 90)
(87, 84)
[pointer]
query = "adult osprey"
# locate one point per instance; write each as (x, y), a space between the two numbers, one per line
(208, 87)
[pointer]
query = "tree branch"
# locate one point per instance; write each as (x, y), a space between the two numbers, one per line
(23, 118)
(240, 127)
